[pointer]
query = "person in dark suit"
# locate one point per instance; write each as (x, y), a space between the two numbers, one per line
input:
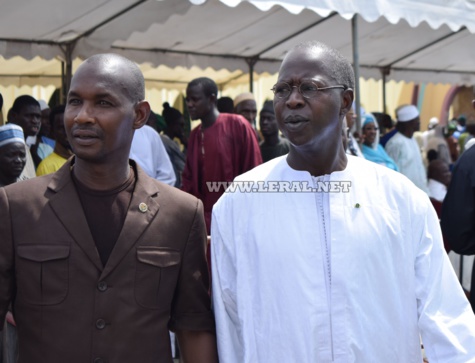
(99, 260)
(458, 210)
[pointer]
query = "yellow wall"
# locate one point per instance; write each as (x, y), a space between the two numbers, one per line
(434, 96)
(371, 95)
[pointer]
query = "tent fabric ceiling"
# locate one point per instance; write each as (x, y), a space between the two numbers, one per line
(454, 13)
(421, 41)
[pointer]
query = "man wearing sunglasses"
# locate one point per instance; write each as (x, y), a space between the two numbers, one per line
(330, 257)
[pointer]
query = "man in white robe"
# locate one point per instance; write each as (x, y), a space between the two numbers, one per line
(322, 257)
(149, 152)
(404, 149)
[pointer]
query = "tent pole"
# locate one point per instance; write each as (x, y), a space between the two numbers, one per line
(62, 96)
(356, 66)
(251, 62)
(251, 77)
(69, 67)
(384, 73)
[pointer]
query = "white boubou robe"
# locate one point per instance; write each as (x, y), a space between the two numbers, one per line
(407, 155)
(355, 275)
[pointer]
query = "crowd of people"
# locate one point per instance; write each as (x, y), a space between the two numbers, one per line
(300, 240)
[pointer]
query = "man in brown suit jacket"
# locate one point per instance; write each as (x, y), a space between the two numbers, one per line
(99, 260)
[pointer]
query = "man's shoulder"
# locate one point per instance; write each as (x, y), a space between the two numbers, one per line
(263, 171)
(166, 193)
(272, 170)
(464, 168)
(467, 159)
(50, 164)
(29, 188)
(363, 168)
(195, 131)
(396, 138)
(148, 129)
(375, 178)
(233, 117)
(397, 142)
(234, 121)
(53, 157)
(146, 132)
(46, 163)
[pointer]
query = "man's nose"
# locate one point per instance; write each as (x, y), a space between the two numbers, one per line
(84, 114)
(17, 159)
(35, 118)
(295, 98)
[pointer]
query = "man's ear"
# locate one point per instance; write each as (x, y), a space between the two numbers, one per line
(142, 112)
(213, 99)
(347, 97)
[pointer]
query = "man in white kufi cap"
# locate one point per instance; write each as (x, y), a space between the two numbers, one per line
(404, 149)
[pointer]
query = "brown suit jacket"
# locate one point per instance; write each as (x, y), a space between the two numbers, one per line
(68, 307)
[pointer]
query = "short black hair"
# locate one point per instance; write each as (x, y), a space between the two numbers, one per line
(384, 120)
(55, 111)
(208, 86)
(24, 101)
(432, 155)
(135, 83)
(225, 105)
(170, 114)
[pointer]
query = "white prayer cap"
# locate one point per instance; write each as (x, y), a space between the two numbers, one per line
(433, 121)
(43, 105)
(11, 133)
(246, 96)
(407, 113)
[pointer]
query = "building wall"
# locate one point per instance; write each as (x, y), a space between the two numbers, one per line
(462, 103)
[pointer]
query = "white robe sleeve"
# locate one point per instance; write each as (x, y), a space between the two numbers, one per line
(446, 320)
(162, 164)
(393, 149)
(225, 303)
(148, 151)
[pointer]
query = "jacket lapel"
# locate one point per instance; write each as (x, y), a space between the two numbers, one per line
(142, 209)
(67, 207)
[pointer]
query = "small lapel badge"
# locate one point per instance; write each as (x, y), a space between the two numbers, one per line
(143, 207)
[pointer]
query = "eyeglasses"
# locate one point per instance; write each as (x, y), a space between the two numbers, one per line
(308, 89)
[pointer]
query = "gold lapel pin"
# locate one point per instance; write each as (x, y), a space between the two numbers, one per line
(143, 207)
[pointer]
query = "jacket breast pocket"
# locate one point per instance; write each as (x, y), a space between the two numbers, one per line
(156, 276)
(42, 273)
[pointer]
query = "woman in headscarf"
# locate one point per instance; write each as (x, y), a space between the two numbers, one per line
(371, 148)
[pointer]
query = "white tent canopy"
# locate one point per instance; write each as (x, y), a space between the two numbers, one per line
(410, 40)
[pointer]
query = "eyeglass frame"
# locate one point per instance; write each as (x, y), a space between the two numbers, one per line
(299, 90)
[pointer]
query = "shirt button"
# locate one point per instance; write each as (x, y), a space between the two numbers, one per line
(102, 286)
(100, 324)
(99, 360)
